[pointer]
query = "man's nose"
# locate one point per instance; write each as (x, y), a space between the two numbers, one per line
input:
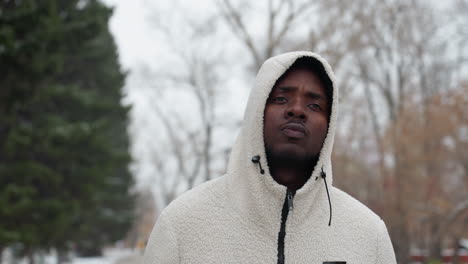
(296, 108)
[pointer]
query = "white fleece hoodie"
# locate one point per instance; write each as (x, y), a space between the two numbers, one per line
(237, 218)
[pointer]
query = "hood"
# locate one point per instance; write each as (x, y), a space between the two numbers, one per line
(249, 186)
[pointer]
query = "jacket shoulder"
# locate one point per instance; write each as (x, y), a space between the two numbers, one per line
(351, 210)
(200, 200)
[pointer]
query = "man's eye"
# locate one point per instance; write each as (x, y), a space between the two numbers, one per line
(279, 99)
(315, 107)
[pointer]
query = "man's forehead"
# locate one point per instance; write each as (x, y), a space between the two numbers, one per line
(294, 71)
(290, 80)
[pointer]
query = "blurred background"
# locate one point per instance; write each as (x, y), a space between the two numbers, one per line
(111, 109)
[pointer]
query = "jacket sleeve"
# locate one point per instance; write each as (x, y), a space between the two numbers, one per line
(385, 253)
(162, 247)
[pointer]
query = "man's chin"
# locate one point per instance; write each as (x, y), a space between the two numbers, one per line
(289, 156)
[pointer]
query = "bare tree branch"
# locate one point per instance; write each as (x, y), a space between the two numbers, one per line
(234, 19)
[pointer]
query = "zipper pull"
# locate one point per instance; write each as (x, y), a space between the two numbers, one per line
(289, 196)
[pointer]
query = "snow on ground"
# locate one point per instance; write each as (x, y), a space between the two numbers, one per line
(110, 256)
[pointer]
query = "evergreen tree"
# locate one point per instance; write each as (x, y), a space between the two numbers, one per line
(63, 144)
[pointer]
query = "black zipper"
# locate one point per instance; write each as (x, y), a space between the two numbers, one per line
(287, 206)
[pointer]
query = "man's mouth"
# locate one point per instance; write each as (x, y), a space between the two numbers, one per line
(294, 130)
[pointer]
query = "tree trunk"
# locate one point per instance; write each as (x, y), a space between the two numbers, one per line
(206, 152)
(435, 251)
(30, 256)
(62, 256)
(401, 242)
(400, 218)
(456, 250)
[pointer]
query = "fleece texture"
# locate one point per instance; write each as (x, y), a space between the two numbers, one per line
(236, 218)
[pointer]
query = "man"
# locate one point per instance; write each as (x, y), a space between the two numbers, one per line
(276, 203)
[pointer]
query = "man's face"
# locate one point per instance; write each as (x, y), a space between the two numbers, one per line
(296, 117)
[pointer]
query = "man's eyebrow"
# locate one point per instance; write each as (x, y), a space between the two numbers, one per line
(285, 89)
(316, 96)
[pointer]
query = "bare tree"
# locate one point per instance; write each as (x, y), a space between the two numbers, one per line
(396, 66)
(281, 16)
(182, 155)
(145, 213)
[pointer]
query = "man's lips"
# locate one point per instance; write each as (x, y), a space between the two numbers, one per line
(294, 130)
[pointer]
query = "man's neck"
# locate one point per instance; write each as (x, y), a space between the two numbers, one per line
(293, 176)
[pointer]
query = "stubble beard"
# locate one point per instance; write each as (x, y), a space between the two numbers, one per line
(288, 159)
